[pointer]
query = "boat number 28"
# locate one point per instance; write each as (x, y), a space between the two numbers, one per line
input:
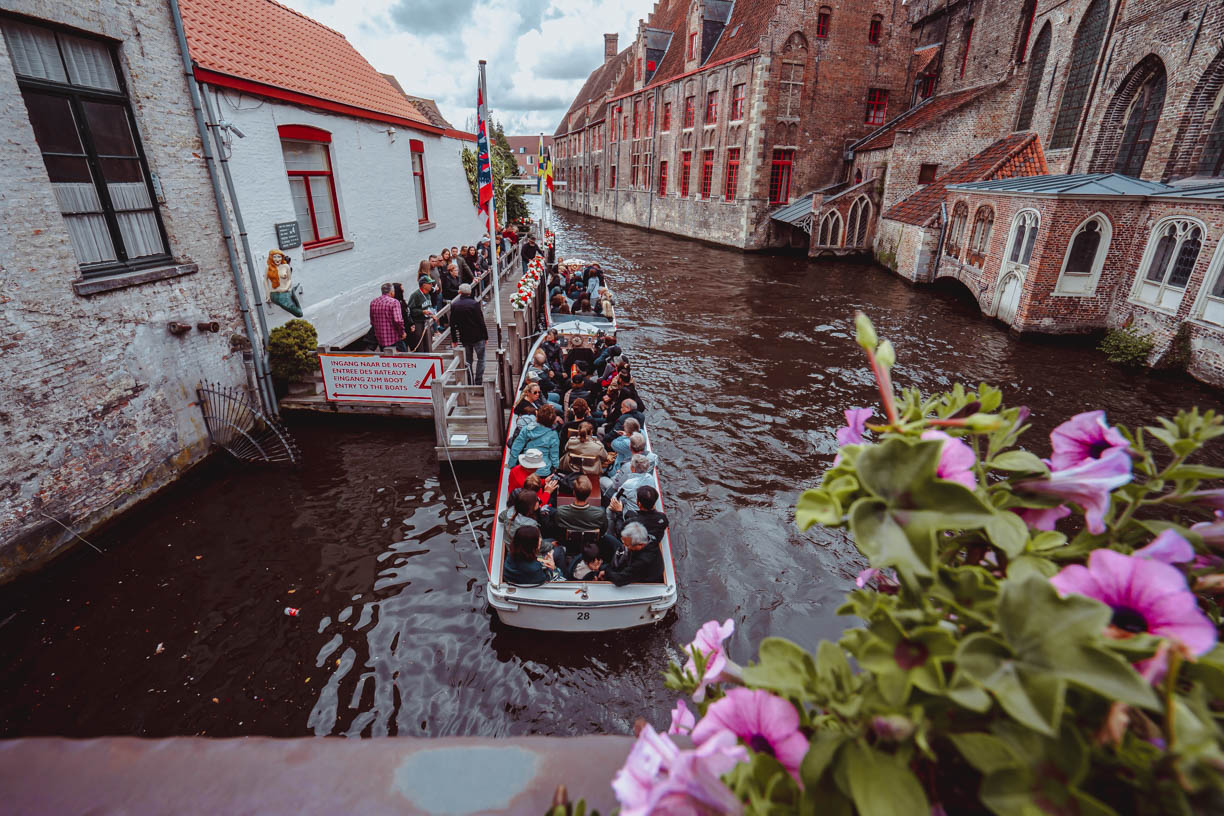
(584, 616)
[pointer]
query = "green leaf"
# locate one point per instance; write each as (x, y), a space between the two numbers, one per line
(879, 537)
(833, 669)
(1047, 540)
(1033, 698)
(966, 693)
(986, 752)
(1018, 461)
(1008, 532)
(1027, 565)
(783, 667)
(817, 506)
(894, 467)
(820, 756)
(1194, 472)
(880, 784)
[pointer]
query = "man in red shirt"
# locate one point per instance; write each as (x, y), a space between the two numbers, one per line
(387, 318)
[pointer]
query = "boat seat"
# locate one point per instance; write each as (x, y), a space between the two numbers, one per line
(574, 540)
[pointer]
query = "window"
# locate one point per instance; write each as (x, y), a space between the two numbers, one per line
(308, 163)
(707, 173)
(624, 127)
(830, 230)
(731, 176)
(647, 163)
(791, 90)
(1041, 50)
(1024, 238)
(927, 173)
(874, 28)
(1084, 51)
(637, 120)
(822, 21)
(692, 52)
(1171, 256)
(737, 102)
(1085, 257)
(856, 225)
(780, 176)
(979, 239)
(1212, 161)
(633, 171)
(1141, 123)
(1027, 12)
(418, 179)
(666, 117)
(926, 86)
(84, 128)
(690, 112)
(956, 230)
(595, 184)
(968, 37)
(650, 116)
(1211, 307)
(877, 106)
(711, 114)
(686, 164)
(637, 73)
(612, 177)
(662, 179)
(858, 176)
(615, 123)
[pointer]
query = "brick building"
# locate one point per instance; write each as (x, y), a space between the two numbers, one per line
(526, 150)
(719, 114)
(109, 232)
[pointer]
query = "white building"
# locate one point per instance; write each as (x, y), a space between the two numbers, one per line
(372, 179)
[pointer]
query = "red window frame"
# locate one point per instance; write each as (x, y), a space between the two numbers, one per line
(615, 121)
(418, 177)
(306, 133)
(666, 117)
(690, 111)
(633, 171)
(596, 184)
(737, 102)
(707, 173)
(822, 24)
(877, 106)
(649, 115)
(968, 42)
(663, 179)
(612, 177)
(874, 28)
(780, 176)
(731, 176)
(638, 71)
(637, 120)
(926, 88)
(711, 115)
(692, 52)
(686, 171)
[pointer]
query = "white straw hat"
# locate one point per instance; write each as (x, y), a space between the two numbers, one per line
(531, 459)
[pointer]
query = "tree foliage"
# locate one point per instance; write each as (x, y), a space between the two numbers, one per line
(509, 198)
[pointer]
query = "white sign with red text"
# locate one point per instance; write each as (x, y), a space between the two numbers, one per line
(377, 377)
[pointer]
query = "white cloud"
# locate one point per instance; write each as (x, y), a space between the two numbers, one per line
(539, 52)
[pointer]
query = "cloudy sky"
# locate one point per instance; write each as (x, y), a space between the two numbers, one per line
(539, 51)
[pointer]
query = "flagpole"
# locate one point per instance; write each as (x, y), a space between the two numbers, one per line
(543, 199)
(493, 242)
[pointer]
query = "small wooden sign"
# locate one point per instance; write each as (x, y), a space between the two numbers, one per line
(287, 235)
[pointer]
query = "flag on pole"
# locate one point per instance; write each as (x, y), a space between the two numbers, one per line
(548, 169)
(540, 166)
(484, 165)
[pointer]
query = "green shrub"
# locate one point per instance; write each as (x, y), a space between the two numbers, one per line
(1127, 347)
(291, 348)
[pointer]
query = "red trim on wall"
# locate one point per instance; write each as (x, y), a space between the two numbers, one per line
(416, 145)
(304, 133)
(296, 98)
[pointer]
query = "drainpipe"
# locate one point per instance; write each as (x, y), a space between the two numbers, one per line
(1096, 79)
(939, 245)
(266, 397)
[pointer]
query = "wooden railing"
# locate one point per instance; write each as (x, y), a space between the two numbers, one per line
(473, 411)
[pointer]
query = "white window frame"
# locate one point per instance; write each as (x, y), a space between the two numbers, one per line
(1020, 267)
(1075, 284)
(1209, 308)
(1142, 289)
(958, 231)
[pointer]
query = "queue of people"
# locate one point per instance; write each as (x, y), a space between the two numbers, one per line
(580, 293)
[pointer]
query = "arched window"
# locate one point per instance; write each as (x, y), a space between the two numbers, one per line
(856, 224)
(790, 88)
(830, 229)
(1027, 12)
(1172, 252)
(1085, 257)
(1023, 238)
(956, 229)
(1212, 161)
(1141, 121)
(979, 239)
(1041, 50)
(858, 176)
(1211, 306)
(1084, 52)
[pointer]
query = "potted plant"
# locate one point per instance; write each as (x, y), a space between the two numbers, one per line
(291, 352)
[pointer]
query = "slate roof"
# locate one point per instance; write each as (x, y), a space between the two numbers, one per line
(1019, 154)
(794, 212)
(266, 43)
(1081, 184)
(919, 116)
(1213, 191)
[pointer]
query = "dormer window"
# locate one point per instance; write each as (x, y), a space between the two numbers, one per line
(692, 50)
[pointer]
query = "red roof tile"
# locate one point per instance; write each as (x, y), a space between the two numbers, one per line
(264, 42)
(923, 57)
(919, 116)
(1017, 155)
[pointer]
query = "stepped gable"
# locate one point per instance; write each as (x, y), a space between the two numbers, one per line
(920, 116)
(262, 42)
(1019, 154)
(596, 87)
(427, 107)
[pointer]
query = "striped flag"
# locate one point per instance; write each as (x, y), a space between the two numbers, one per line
(540, 165)
(548, 169)
(484, 165)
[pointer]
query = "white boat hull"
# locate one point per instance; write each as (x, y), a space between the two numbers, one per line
(515, 609)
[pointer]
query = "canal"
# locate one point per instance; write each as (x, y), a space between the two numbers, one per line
(746, 363)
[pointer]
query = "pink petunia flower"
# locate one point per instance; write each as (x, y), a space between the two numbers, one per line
(1211, 531)
(883, 579)
(1042, 518)
(956, 459)
(852, 434)
(1083, 437)
(1208, 498)
(1168, 548)
(1145, 595)
(659, 778)
(709, 642)
(766, 723)
(1089, 485)
(682, 720)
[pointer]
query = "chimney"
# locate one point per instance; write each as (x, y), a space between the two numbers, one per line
(609, 47)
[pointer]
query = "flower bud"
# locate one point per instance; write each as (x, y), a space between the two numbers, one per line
(864, 332)
(984, 422)
(892, 727)
(886, 355)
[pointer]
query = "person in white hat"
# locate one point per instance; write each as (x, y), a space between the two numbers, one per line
(530, 461)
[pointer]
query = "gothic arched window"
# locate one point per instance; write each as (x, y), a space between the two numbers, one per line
(956, 229)
(1084, 52)
(979, 239)
(1027, 12)
(1172, 252)
(1212, 161)
(1041, 50)
(1085, 257)
(1141, 124)
(830, 229)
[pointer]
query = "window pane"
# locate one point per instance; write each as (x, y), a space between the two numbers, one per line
(69, 169)
(1162, 255)
(417, 166)
(301, 208)
(140, 235)
(89, 63)
(1028, 245)
(121, 170)
(420, 199)
(1218, 289)
(1041, 50)
(91, 240)
(1213, 154)
(325, 216)
(305, 155)
(1018, 242)
(1084, 250)
(1185, 259)
(54, 128)
(132, 196)
(34, 52)
(108, 125)
(1084, 51)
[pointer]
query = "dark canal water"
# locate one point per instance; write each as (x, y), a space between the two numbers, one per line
(746, 362)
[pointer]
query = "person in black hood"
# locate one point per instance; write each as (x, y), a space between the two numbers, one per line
(636, 561)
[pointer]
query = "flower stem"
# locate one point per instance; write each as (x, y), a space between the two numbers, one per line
(884, 381)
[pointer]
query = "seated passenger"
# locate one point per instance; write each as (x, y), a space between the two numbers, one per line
(628, 410)
(540, 372)
(637, 446)
(559, 305)
(640, 475)
(586, 567)
(637, 559)
(529, 462)
(543, 489)
(655, 521)
(552, 349)
(525, 566)
(532, 396)
(607, 306)
(522, 514)
(537, 432)
(578, 413)
(583, 305)
(581, 515)
(586, 446)
(621, 445)
(579, 389)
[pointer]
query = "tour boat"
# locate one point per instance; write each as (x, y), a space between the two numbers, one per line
(601, 322)
(574, 606)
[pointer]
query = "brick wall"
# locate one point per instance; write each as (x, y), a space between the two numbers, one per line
(97, 406)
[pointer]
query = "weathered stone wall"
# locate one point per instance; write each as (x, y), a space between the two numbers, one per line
(97, 402)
